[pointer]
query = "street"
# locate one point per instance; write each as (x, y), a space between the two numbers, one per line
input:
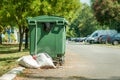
(82, 61)
(97, 61)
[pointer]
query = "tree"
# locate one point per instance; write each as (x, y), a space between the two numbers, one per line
(85, 22)
(15, 12)
(26, 38)
(1, 30)
(1, 27)
(107, 12)
(65, 8)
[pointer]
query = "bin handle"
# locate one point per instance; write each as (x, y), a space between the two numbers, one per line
(60, 22)
(31, 22)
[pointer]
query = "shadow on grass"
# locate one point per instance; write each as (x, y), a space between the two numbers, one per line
(8, 51)
(8, 59)
(8, 45)
(10, 48)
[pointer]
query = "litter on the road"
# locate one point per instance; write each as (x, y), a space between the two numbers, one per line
(41, 60)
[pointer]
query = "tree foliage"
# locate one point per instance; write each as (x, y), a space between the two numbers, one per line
(107, 12)
(85, 22)
(15, 12)
(65, 8)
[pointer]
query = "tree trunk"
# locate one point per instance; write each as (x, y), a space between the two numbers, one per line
(20, 43)
(26, 38)
(21, 38)
(0, 38)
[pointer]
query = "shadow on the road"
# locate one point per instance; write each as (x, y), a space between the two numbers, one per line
(33, 77)
(56, 78)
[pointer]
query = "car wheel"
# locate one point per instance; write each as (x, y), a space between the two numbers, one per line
(115, 43)
(91, 42)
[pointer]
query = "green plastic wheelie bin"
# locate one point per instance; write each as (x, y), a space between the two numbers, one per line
(48, 35)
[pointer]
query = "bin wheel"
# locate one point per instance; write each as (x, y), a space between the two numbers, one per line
(55, 63)
(62, 61)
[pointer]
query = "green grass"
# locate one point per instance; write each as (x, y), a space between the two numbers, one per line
(8, 56)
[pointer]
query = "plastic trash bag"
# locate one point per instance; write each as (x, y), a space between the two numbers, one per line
(44, 61)
(28, 62)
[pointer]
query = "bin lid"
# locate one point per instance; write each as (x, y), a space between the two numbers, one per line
(45, 18)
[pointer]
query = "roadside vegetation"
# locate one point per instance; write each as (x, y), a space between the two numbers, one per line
(8, 56)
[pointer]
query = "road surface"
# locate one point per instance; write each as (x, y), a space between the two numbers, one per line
(86, 62)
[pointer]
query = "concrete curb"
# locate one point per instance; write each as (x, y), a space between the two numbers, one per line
(12, 74)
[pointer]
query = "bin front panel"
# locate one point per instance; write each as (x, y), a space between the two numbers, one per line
(52, 42)
(45, 41)
(32, 39)
(60, 41)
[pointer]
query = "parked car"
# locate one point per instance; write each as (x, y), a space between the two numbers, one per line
(77, 40)
(94, 37)
(100, 38)
(81, 39)
(71, 39)
(104, 39)
(116, 39)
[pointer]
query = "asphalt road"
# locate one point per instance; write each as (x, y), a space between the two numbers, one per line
(97, 61)
(82, 62)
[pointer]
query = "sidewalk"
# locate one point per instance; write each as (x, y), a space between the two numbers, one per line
(12, 74)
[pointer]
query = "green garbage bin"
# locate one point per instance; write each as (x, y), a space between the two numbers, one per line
(48, 35)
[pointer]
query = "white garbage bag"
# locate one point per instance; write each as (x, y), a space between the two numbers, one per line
(28, 62)
(44, 60)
